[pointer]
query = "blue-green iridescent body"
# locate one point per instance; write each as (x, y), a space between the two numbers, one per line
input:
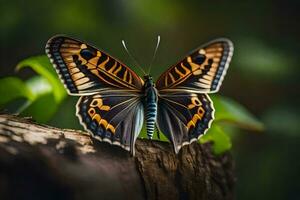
(150, 105)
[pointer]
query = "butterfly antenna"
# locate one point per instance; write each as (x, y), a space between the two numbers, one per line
(132, 58)
(154, 54)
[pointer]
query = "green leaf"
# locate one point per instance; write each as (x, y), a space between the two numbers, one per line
(221, 141)
(12, 88)
(44, 104)
(38, 85)
(231, 112)
(37, 91)
(162, 137)
(40, 104)
(257, 58)
(42, 108)
(47, 90)
(42, 66)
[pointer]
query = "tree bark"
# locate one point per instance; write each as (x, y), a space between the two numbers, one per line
(43, 162)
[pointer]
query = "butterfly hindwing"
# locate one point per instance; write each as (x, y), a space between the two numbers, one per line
(113, 118)
(85, 69)
(202, 71)
(184, 117)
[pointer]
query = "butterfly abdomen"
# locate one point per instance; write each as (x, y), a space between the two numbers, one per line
(150, 107)
(151, 113)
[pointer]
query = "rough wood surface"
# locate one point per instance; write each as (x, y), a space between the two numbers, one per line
(43, 162)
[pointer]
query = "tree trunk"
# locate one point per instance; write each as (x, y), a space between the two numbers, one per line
(43, 162)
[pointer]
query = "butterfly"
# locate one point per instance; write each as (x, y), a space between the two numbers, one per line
(114, 101)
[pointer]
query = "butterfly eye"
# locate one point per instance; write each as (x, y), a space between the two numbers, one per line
(87, 54)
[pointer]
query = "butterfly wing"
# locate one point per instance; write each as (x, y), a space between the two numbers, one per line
(185, 111)
(113, 118)
(184, 117)
(110, 106)
(86, 70)
(202, 71)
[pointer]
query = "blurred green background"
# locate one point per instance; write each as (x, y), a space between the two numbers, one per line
(263, 75)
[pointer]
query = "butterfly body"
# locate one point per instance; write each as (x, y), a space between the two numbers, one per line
(150, 105)
(114, 101)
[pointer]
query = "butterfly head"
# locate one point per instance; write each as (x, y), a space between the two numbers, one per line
(148, 80)
(148, 77)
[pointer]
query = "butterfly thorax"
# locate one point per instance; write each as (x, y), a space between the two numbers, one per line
(150, 105)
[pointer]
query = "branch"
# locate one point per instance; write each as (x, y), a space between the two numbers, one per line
(43, 162)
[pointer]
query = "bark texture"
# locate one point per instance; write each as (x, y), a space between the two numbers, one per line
(43, 162)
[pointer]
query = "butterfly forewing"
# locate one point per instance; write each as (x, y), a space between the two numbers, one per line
(85, 69)
(184, 117)
(202, 71)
